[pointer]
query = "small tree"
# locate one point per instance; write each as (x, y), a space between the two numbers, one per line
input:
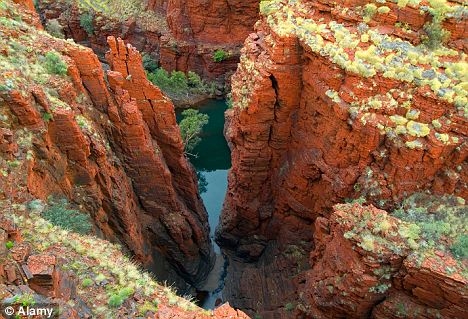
(191, 127)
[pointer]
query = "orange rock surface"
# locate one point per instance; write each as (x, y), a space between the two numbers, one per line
(215, 22)
(350, 280)
(112, 149)
(298, 149)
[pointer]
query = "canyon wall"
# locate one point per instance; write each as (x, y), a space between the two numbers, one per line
(333, 103)
(113, 150)
(223, 22)
(179, 35)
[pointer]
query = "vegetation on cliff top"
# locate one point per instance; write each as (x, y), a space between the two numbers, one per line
(425, 226)
(433, 71)
(375, 52)
(108, 278)
(118, 11)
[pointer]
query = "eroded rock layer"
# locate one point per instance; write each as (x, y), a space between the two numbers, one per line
(114, 150)
(335, 101)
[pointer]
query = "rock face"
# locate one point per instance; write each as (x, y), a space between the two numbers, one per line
(323, 113)
(165, 183)
(115, 151)
(180, 34)
(216, 22)
(351, 279)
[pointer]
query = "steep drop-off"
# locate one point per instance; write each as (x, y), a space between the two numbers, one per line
(114, 150)
(334, 101)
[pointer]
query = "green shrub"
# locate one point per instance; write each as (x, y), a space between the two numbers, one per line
(369, 11)
(116, 300)
(149, 63)
(436, 35)
(87, 282)
(25, 300)
(47, 117)
(194, 80)
(60, 215)
(54, 28)
(177, 84)
(179, 81)
(86, 22)
(220, 55)
(289, 306)
(9, 244)
(54, 64)
(460, 246)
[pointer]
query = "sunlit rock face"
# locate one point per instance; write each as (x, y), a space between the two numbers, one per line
(328, 108)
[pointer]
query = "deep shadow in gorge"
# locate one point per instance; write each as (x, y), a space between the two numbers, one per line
(212, 162)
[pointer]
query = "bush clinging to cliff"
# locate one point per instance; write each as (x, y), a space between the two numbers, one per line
(220, 55)
(86, 22)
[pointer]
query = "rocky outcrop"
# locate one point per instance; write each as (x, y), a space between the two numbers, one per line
(372, 271)
(148, 135)
(323, 113)
(77, 274)
(113, 151)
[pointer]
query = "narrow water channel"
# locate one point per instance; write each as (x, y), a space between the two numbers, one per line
(212, 162)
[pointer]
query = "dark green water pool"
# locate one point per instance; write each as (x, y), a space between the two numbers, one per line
(213, 160)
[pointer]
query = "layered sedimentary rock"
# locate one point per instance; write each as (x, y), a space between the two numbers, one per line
(216, 22)
(114, 152)
(179, 34)
(154, 154)
(330, 104)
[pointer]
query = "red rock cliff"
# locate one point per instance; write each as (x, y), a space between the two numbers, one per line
(115, 152)
(375, 271)
(324, 110)
(221, 22)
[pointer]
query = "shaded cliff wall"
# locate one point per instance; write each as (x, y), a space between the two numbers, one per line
(218, 22)
(114, 152)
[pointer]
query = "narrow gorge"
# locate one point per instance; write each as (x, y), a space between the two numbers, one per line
(330, 181)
